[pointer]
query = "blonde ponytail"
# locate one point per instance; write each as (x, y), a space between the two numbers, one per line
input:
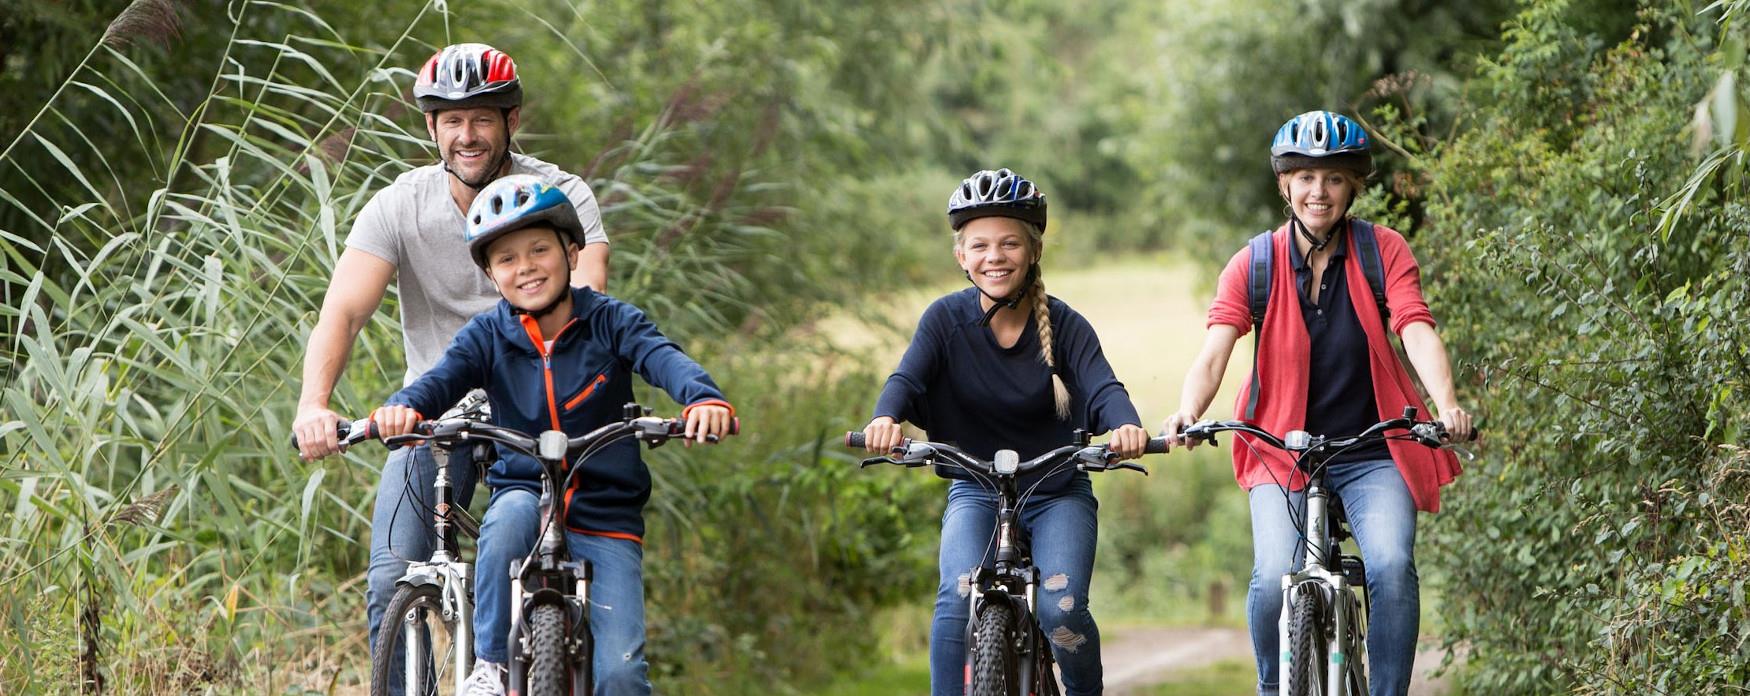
(1042, 317)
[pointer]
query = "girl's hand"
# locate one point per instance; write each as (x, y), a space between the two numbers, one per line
(882, 435)
(1457, 422)
(395, 419)
(1173, 425)
(1128, 441)
(706, 421)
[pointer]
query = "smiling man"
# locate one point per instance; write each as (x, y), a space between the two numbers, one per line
(410, 233)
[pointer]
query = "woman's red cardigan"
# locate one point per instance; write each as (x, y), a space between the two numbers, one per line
(1283, 362)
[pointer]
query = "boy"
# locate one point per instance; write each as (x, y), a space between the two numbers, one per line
(554, 357)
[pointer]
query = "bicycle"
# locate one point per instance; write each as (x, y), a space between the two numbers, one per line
(432, 609)
(1322, 629)
(550, 646)
(1007, 652)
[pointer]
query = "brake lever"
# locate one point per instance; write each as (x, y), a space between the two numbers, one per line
(1132, 466)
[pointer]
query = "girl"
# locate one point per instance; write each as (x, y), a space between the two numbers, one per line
(1001, 365)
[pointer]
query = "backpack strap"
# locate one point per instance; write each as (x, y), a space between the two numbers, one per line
(1367, 251)
(1258, 283)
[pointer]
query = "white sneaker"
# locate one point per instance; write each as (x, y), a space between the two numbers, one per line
(487, 679)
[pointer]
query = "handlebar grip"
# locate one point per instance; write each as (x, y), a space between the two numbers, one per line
(854, 439)
(1156, 445)
(342, 430)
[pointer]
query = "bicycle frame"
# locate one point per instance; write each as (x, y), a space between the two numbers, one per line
(454, 576)
(550, 576)
(1012, 579)
(1344, 645)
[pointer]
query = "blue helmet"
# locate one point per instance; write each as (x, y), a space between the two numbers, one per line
(1321, 139)
(513, 202)
(1000, 193)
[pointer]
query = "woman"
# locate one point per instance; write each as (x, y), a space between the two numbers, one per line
(1001, 365)
(1325, 365)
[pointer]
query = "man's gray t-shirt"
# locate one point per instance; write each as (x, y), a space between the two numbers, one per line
(415, 225)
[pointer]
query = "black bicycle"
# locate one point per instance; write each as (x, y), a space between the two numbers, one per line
(1006, 650)
(1323, 627)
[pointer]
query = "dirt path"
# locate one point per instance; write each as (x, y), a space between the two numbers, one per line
(1140, 657)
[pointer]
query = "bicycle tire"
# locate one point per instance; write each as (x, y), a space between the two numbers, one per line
(422, 606)
(548, 672)
(1306, 640)
(993, 651)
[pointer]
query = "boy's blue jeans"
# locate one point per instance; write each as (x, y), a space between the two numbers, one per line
(401, 526)
(616, 592)
(1383, 517)
(1064, 528)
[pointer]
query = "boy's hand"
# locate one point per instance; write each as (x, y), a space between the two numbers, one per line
(395, 420)
(706, 421)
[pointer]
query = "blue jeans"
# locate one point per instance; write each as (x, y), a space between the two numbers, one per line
(1064, 528)
(401, 525)
(1383, 517)
(616, 591)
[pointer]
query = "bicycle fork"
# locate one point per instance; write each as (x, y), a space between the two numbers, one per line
(1331, 590)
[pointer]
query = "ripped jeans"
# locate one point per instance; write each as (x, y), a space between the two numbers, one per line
(1064, 528)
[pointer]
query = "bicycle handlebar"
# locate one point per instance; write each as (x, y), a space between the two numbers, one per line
(915, 453)
(453, 431)
(1426, 433)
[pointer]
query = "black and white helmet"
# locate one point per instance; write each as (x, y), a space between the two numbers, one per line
(999, 193)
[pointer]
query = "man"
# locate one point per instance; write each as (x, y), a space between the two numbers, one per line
(410, 232)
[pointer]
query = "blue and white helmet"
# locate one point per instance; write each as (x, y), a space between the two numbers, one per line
(996, 193)
(513, 202)
(1321, 139)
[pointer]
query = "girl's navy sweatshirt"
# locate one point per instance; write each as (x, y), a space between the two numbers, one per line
(956, 383)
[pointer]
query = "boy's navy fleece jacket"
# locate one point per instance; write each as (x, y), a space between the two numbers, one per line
(581, 385)
(967, 391)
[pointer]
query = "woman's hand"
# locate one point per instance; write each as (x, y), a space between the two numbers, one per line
(1128, 441)
(881, 435)
(707, 423)
(1175, 424)
(1458, 424)
(395, 420)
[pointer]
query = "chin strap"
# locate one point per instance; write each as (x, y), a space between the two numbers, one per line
(1331, 236)
(1009, 302)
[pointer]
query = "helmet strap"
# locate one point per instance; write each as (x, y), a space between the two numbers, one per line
(1330, 236)
(1010, 302)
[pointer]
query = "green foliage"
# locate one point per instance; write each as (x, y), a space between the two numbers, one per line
(1604, 354)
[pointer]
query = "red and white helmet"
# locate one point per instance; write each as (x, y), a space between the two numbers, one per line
(465, 76)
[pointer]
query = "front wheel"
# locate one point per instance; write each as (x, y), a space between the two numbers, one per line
(414, 634)
(993, 651)
(1306, 645)
(548, 672)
